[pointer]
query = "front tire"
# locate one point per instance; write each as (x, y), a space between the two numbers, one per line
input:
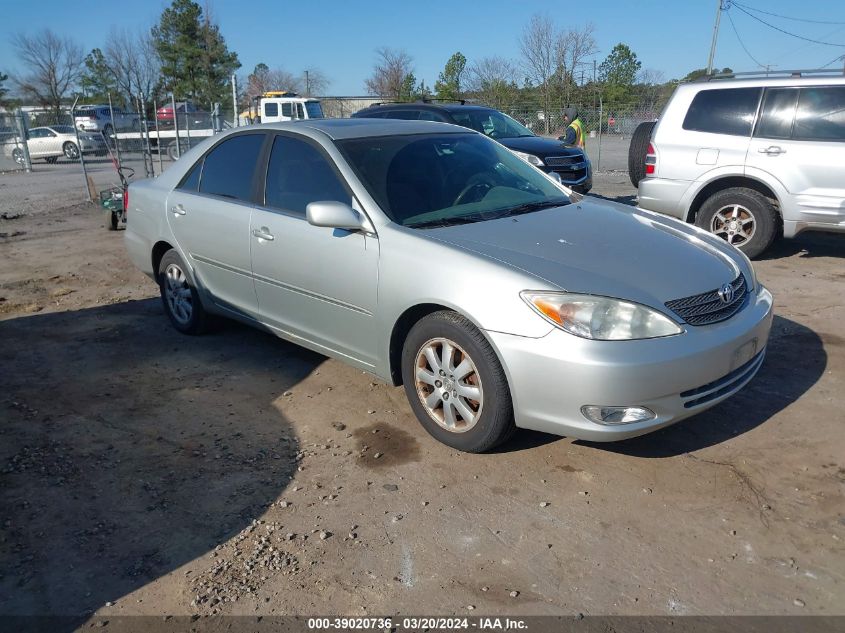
(455, 383)
(743, 217)
(71, 150)
(179, 295)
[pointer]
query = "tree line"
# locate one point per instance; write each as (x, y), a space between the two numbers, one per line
(184, 53)
(556, 69)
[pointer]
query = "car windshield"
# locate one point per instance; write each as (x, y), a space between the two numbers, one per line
(427, 180)
(315, 111)
(63, 129)
(491, 123)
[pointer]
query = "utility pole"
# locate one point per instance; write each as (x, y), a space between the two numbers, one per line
(715, 37)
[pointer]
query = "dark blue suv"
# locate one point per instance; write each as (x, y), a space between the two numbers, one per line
(550, 155)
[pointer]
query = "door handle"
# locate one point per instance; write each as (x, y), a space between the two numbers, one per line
(263, 234)
(177, 209)
(771, 150)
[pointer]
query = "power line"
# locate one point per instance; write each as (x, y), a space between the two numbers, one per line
(733, 26)
(785, 17)
(772, 26)
(835, 59)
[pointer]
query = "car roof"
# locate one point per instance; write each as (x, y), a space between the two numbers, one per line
(763, 82)
(338, 129)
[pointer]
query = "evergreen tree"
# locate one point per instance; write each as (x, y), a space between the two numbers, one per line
(195, 61)
(619, 72)
(448, 84)
(97, 80)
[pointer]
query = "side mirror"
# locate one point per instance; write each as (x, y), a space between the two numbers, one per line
(336, 215)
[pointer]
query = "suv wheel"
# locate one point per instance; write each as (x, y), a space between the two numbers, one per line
(455, 383)
(742, 217)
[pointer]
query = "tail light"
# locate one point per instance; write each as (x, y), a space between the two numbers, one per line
(650, 160)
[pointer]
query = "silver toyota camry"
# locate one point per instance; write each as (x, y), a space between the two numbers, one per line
(434, 258)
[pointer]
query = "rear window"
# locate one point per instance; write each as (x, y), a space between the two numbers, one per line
(821, 114)
(723, 111)
(229, 168)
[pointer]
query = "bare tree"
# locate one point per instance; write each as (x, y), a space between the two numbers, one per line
(264, 79)
(652, 85)
(53, 63)
(392, 69)
(541, 57)
(493, 80)
(315, 82)
(574, 47)
(134, 63)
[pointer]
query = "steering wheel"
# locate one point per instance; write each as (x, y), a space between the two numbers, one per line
(478, 186)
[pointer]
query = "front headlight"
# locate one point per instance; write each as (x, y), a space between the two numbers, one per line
(530, 158)
(600, 318)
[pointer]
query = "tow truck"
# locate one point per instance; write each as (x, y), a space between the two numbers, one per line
(280, 105)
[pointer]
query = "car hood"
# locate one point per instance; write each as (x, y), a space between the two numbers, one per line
(540, 145)
(602, 248)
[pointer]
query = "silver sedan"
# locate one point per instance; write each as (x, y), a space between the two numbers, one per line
(434, 258)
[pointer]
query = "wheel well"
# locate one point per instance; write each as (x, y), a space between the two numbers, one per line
(159, 250)
(727, 183)
(400, 331)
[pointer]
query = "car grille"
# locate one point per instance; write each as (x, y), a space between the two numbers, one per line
(708, 307)
(724, 385)
(563, 161)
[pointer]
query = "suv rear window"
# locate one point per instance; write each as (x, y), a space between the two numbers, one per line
(723, 111)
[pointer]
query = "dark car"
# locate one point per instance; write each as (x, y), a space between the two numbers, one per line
(550, 155)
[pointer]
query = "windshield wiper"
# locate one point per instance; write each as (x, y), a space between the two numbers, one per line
(430, 224)
(528, 207)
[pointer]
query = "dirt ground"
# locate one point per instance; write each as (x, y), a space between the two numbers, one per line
(145, 472)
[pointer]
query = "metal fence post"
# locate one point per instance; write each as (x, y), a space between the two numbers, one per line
(176, 126)
(81, 153)
(114, 131)
(141, 140)
(601, 122)
(149, 149)
(187, 128)
(23, 132)
(158, 138)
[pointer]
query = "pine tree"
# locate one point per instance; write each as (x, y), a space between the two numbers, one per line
(195, 61)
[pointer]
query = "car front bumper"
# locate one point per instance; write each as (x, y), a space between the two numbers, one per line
(552, 377)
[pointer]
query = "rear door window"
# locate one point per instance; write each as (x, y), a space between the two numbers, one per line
(821, 114)
(287, 110)
(778, 113)
(271, 109)
(723, 111)
(229, 168)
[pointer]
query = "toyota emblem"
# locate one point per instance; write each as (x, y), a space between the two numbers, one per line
(726, 293)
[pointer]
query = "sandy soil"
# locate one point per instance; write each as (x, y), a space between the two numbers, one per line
(145, 472)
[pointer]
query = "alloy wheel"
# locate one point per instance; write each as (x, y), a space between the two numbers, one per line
(734, 223)
(178, 294)
(448, 385)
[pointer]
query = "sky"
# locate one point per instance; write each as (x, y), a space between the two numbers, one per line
(340, 37)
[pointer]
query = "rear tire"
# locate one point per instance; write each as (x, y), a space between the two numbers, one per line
(637, 151)
(111, 220)
(70, 150)
(742, 217)
(465, 401)
(179, 295)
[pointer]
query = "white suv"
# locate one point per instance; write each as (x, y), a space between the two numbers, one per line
(749, 159)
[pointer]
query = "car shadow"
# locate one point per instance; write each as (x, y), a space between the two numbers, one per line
(795, 361)
(809, 244)
(128, 450)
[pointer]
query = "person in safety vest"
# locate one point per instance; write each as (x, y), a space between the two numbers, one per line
(574, 128)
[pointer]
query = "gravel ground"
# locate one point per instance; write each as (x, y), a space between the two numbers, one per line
(144, 472)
